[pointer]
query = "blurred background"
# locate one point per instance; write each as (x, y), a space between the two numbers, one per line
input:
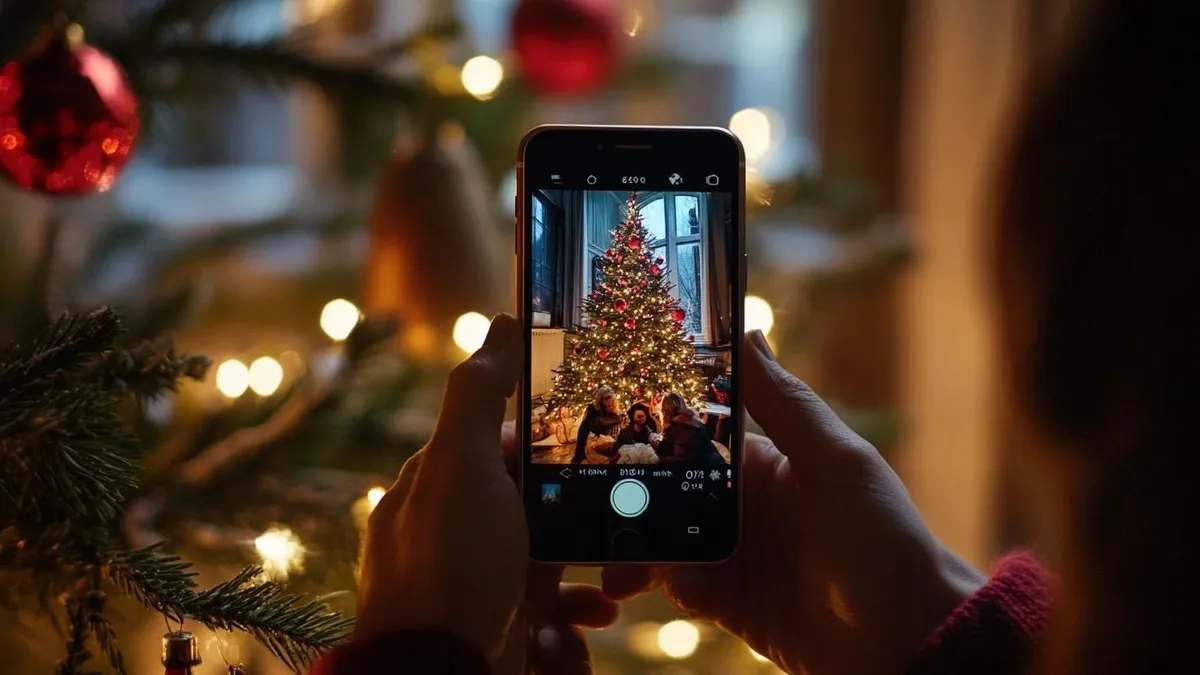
(302, 163)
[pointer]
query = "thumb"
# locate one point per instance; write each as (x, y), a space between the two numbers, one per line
(468, 426)
(802, 426)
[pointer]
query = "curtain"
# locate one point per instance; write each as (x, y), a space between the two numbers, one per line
(572, 257)
(591, 218)
(721, 268)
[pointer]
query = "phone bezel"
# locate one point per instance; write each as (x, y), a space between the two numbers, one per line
(608, 138)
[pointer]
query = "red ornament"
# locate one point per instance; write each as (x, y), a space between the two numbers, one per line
(567, 47)
(623, 281)
(654, 270)
(603, 322)
(645, 372)
(635, 242)
(634, 350)
(620, 305)
(691, 338)
(678, 314)
(630, 324)
(658, 260)
(620, 257)
(68, 117)
(602, 353)
(577, 349)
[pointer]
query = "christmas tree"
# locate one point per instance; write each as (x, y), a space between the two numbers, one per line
(633, 339)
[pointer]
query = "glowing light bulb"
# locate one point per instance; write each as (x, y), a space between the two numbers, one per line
(233, 378)
(481, 76)
(375, 495)
(752, 126)
(338, 318)
(265, 376)
(678, 639)
(470, 330)
(281, 552)
(759, 315)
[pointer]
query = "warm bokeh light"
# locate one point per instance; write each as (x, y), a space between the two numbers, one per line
(759, 315)
(303, 12)
(266, 374)
(338, 318)
(752, 126)
(280, 551)
(233, 378)
(470, 331)
(678, 639)
(757, 657)
(481, 76)
(374, 495)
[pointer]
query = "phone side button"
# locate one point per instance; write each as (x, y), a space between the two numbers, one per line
(628, 544)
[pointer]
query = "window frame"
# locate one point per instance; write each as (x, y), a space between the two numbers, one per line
(672, 243)
(552, 229)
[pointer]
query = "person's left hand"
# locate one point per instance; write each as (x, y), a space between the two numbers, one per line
(447, 546)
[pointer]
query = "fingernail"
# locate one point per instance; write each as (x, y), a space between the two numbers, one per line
(760, 341)
(501, 331)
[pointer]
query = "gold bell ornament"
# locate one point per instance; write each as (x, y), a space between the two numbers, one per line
(436, 251)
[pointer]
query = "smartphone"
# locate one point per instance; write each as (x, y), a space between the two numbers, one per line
(630, 246)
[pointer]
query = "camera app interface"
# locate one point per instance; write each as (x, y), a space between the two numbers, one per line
(631, 387)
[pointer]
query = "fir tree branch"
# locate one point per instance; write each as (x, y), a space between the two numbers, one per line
(275, 61)
(106, 639)
(66, 345)
(296, 632)
(77, 633)
(146, 370)
(159, 580)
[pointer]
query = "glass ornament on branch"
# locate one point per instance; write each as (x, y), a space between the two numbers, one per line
(68, 116)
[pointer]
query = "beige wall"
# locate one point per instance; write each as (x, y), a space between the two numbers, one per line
(964, 56)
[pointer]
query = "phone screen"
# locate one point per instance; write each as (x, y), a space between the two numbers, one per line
(632, 287)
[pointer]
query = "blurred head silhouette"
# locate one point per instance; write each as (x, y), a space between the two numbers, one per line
(1098, 266)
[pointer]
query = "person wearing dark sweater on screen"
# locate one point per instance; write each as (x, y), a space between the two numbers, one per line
(1094, 254)
(686, 440)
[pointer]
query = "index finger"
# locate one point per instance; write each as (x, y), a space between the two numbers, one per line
(626, 581)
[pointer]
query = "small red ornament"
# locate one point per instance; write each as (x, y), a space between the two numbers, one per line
(68, 117)
(691, 338)
(635, 242)
(602, 353)
(654, 269)
(678, 314)
(634, 350)
(567, 47)
(603, 322)
(577, 349)
(658, 260)
(620, 257)
(620, 305)
(630, 324)
(623, 281)
(645, 372)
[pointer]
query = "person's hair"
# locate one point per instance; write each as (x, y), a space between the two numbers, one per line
(1097, 263)
(602, 395)
(672, 405)
(645, 409)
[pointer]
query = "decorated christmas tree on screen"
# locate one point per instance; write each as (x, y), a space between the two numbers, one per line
(633, 338)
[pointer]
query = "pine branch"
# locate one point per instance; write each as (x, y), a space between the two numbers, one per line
(159, 580)
(147, 370)
(106, 639)
(77, 652)
(296, 632)
(277, 61)
(66, 345)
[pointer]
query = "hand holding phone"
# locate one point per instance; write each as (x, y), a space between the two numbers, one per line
(632, 281)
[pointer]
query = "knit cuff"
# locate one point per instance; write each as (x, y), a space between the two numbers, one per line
(995, 631)
(432, 651)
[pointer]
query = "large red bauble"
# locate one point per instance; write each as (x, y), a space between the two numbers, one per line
(630, 324)
(621, 305)
(635, 242)
(567, 47)
(602, 353)
(677, 314)
(68, 117)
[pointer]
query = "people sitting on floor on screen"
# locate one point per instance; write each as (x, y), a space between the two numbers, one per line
(641, 428)
(686, 439)
(601, 419)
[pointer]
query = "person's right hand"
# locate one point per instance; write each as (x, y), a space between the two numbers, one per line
(836, 572)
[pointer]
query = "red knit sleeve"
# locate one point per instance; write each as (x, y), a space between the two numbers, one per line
(428, 652)
(995, 631)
